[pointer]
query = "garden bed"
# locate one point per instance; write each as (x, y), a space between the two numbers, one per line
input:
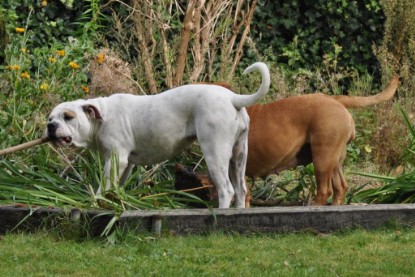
(199, 221)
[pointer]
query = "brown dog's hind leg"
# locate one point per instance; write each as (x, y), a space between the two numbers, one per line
(339, 185)
(324, 164)
(324, 190)
(338, 181)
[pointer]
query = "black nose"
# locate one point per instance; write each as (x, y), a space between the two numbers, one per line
(52, 126)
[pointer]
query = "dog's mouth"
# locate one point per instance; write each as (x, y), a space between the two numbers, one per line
(61, 141)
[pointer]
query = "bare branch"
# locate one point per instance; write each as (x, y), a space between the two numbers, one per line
(238, 54)
(184, 43)
(197, 52)
(145, 55)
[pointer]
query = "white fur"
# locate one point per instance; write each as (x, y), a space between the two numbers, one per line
(151, 129)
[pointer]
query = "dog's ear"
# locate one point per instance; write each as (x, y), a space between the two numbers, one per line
(92, 111)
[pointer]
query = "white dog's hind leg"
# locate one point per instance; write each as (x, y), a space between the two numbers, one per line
(237, 169)
(218, 165)
(223, 185)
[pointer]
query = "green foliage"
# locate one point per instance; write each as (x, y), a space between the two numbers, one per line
(51, 21)
(399, 189)
(34, 79)
(74, 187)
(44, 61)
(302, 34)
(396, 54)
(291, 187)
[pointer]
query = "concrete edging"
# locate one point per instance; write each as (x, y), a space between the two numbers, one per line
(199, 221)
(268, 220)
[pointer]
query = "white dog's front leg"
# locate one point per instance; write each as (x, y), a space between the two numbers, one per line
(111, 175)
(126, 173)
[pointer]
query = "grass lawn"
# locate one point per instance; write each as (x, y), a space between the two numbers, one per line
(385, 252)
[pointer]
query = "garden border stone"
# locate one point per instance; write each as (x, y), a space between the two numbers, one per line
(269, 219)
(199, 221)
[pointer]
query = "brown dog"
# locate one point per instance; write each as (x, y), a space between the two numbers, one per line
(303, 129)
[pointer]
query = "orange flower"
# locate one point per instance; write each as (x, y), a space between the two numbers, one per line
(52, 59)
(13, 67)
(25, 75)
(60, 53)
(19, 30)
(100, 58)
(73, 65)
(85, 88)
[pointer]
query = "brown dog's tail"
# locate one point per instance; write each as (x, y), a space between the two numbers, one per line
(362, 101)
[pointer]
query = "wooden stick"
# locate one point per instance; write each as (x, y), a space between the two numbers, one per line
(24, 146)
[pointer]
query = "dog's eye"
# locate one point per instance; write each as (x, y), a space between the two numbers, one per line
(67, 117)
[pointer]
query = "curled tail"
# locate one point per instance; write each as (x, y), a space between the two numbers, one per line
(240, 101)
(361, 101)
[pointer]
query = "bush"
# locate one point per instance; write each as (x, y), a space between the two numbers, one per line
(43, 61)
(51, 21)
(34, 79)
(302, 34)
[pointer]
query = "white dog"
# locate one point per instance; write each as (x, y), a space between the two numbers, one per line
(150, 129)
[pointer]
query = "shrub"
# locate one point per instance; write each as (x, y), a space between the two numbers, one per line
(52, 21)
(390, 138)
(400, 189)
(302, 34)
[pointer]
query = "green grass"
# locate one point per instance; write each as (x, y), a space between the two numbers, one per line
(384, 252)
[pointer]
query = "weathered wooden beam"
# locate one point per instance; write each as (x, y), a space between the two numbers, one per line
(267, 220)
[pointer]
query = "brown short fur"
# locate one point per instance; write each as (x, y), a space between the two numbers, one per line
(302, 129)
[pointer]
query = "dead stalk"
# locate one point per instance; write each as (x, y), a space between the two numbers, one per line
(213, 32)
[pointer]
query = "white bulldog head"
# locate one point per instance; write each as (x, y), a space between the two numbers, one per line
(72, 122)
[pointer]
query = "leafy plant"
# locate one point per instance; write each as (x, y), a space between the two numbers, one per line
(399, 189)
(291, 187)
(36, 78)
(303, 34)
(75, 187)
(53, 21)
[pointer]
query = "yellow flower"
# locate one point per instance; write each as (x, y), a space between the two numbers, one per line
(24, 50)
(13, 67)
(368, 149)
(85, 88)
(100, 58)
(73, 65)
(19, 30)
(44, 86)
(52, 59)
(25, 75)
(44, 3)
(60, 53)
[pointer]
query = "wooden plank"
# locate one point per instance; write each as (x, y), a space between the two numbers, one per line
(269, 219)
